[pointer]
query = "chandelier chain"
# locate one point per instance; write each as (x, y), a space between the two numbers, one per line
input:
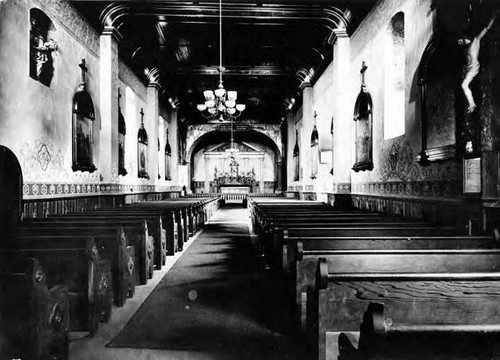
(220, 104)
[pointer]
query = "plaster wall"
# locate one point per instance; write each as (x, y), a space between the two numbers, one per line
(36, 120)
(395, 171)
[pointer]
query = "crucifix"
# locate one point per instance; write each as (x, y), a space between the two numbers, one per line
(84, 71)
(142, 117)
(362, 71)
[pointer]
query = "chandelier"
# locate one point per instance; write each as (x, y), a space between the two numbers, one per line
(219, 103)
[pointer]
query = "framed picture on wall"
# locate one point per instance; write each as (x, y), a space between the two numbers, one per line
(472, 176)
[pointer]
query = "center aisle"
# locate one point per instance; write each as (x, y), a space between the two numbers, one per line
(218, 299)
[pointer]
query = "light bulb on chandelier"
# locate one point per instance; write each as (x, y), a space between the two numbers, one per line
(220, 104)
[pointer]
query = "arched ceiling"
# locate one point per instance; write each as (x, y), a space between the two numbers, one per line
(270, 48)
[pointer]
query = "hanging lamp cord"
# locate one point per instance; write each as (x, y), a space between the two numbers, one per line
(220, 42)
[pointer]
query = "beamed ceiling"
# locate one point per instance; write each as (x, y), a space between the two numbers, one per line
(270, 49)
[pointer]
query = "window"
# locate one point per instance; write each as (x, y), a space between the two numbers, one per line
(142, 150)
(42, 45)
(122, 131)
(83, 126)
(394, 99)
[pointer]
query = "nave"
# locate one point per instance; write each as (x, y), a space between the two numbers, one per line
(215, 301)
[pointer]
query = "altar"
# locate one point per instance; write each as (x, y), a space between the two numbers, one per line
(234, 182)
(235, 189)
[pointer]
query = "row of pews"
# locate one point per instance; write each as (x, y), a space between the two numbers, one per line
(368, 285)
(65, 273)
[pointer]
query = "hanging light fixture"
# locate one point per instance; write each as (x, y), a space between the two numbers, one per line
(220, 104)
(232, 151)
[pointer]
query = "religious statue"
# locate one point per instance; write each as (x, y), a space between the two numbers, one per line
(41, 50)
(471, 46)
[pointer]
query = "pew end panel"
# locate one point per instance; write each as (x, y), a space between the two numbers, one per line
(34, 318)
(338, 304)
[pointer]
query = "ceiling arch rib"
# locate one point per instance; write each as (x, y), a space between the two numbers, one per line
(329, 17)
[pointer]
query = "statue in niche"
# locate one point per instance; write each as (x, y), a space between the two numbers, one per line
(41, 49)
(83, 119)
(471, 46)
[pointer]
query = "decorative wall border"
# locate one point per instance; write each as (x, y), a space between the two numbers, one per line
(342, 188)
(435, 189)
(52, 190)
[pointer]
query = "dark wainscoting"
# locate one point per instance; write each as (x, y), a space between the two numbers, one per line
(441, 211)
(36, 208)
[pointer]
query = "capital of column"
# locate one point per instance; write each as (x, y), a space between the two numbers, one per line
(112, 31)
(336, 34)
(154, 85)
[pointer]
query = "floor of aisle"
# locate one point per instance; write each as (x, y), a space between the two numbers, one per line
(215, 301)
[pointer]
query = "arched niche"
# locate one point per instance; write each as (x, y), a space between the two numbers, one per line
(122, 131)
(296, 158)
(363, 117)
(42, 45)
(438, 81)
(83, 126)
(314, 152)
(11, 183)
(142, 150)
(168, 158)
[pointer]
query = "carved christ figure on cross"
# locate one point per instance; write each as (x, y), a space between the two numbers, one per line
(471, 67)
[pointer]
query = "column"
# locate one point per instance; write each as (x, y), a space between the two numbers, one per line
(207, 176)
(151, 124)
(305, 138)
(108, 136)
(174, 145)
(279, 176)
(343, 137)
(261, 182)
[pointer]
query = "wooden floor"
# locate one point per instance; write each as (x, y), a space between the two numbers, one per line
(236, 309)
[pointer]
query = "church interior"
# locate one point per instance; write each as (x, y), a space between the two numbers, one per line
(323, 180)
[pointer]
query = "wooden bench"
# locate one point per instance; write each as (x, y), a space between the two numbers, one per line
(384, 337)
(111, 242)
(284, 246)
(114, 218)
(168, 221)
(86, 275)
(436, 286)
(34, 319)
(143, 243)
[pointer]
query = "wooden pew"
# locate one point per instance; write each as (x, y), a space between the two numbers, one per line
(34, 319)
(86, 275)
(111, 242)
(154, 226)
(170, 227)
(143, 245)
(284, 246)
(384, 337)
(437, 286)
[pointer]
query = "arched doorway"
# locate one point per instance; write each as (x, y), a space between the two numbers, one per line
(11, 183)
(259, 162)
